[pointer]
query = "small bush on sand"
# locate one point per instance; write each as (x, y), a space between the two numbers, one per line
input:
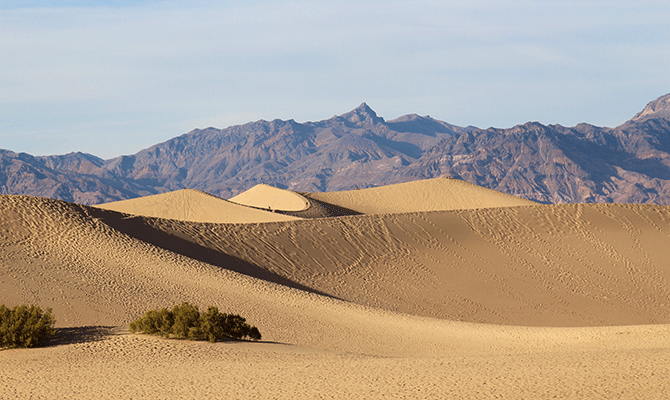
(25, 326)
(186, 322)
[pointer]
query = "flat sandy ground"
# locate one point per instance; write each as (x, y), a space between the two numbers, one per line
(132, 366)
(508, 301)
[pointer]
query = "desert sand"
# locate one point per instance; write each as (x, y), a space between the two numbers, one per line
(439, 194)
(268, 197)
(195, 206)
(512, 301)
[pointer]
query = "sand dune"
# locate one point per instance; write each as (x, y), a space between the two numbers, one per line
(193, 205)
(530, 301)
(558, 265)
(272, 198)
(427, 195)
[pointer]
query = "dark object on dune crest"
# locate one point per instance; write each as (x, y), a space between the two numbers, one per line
(186, 322)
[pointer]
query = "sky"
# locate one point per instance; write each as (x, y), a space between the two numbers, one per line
(113, 77)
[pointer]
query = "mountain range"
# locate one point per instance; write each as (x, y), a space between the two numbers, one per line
(545, 163)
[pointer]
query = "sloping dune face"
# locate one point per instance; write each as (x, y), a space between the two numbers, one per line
(64, 256)
(269, 197)
(559, 265)
(426, 195)
(543, 265)
(193, 205)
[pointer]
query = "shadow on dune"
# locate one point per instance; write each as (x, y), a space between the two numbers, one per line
(80, 334)
(320, 209)
(142, 229)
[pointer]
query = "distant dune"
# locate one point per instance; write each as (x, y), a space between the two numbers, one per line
(195, 206)
(271, 198)
(438, 194)
(443, 290)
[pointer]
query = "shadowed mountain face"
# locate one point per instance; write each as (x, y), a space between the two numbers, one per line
(73, 177)
(354, 149)
(553, 164)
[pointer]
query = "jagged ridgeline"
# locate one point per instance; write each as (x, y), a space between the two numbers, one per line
(546, 163)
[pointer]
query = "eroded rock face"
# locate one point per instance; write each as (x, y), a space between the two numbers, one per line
(553, 164)
(659, 108)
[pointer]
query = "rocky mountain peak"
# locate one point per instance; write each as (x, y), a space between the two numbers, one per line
(362, 114)
(629, 163)
(659, 108)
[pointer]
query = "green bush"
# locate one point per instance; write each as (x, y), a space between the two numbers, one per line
(155, 322)
(25, 326)
(186, 322)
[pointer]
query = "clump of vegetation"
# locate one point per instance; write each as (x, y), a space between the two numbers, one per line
(186, 322)
(25, 326)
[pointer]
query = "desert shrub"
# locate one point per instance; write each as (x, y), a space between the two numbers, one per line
(25, 326)
(154, 322)
(186, 322)
(215, 325)
(212, 324)
(237, 327)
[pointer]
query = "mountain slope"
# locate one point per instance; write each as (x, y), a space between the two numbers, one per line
(555, 164)
(356, 148)
(73, 177)
(551, 164)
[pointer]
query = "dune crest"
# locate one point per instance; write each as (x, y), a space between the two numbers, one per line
(193, 205)
(271, 198)
(437, 194)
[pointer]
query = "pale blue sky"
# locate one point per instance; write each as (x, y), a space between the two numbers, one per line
(113, 77)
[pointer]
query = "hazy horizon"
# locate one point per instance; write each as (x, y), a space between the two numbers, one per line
(110, 78)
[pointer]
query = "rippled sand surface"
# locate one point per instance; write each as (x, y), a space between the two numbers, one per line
(446, 301)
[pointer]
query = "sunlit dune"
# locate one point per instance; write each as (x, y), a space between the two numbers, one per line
(428, 296)
(541, 265)
(271, 198)
(427, 195)
(193, 205)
